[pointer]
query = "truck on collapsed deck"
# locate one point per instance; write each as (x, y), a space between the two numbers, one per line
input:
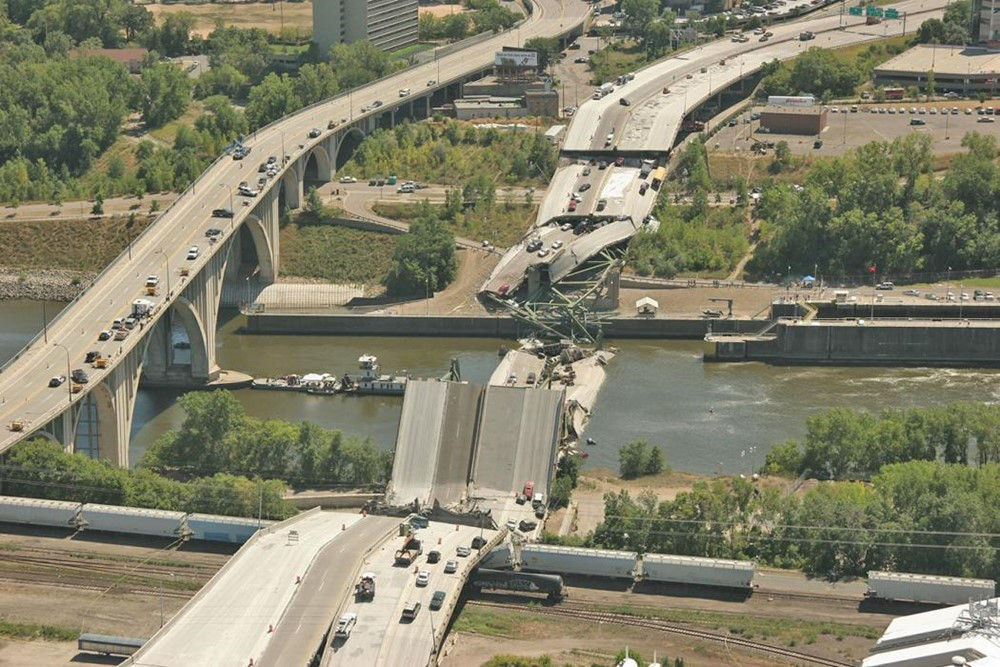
(409, 551)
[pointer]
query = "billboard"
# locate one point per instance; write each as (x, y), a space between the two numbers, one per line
(516, 59)
(791, 100)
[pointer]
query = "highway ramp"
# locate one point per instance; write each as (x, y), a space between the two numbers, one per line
(276, 594)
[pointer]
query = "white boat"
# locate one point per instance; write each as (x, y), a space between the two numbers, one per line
(371, 381)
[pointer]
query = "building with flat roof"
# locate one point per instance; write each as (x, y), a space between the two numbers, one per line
(960, 69)
(784, 119)
(388, 24)
(986, 23)
(130, 58)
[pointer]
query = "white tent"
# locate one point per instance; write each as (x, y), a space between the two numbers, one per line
(647, 306)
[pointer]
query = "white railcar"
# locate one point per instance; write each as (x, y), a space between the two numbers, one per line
(134, 520)
(215, 528)
(500, 557)
(39, 512)
(572, 560)
(698, 571)
(928, 587)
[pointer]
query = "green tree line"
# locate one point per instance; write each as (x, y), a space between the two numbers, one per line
(920, 516)
(880, 206)
(217, 436)
(42, 469)
(485, 16)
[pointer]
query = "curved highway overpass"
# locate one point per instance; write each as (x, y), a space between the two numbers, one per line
(647, 127)
(97, 417)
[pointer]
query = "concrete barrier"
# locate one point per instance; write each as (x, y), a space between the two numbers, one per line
(499, 326)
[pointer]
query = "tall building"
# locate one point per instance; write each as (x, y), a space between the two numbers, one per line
(986, 23)
(388, 24)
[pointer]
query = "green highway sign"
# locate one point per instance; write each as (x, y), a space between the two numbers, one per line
(872, 10)
(854, 11)
(892, 13)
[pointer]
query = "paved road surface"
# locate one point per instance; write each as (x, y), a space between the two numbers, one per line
(330, 580)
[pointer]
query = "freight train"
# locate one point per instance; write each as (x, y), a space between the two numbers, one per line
(132, 520)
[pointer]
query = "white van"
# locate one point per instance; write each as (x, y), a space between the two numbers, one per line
(404, 92)
(407, 187)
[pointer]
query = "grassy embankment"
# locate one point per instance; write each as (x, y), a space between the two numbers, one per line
(314, 247)
(503, 225)
(78, 245)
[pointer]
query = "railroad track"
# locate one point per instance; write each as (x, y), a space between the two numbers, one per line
(95, 566)
(59, 583)
(663, 626)
(856, 599)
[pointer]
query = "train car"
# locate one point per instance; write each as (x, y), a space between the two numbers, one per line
(698, 571)
(214, 528)
(109, 645)
(500, 557)
(39, 512)
(927, 588)
(516, 582)
(134, 520)
(572, 560)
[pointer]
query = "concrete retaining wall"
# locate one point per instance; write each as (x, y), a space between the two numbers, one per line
(920, 344)
(339, 324)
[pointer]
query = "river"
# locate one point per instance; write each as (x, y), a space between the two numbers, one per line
(704, 416)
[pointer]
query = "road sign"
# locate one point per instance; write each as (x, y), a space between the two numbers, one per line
(891, 13)
(855, 11)
(872, 10)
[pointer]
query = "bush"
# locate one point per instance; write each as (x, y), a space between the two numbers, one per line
(639, 458)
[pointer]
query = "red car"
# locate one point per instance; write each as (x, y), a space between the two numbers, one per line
(503, 289)
(572, 205)
(619, 161)
(529, 489)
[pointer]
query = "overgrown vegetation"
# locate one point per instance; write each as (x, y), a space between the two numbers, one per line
(453, 153)
(695, 237)
(77, 245)
(501, 224)
(567, 476)
(218, 437)
(638, 458)
(914, 516)
(423, 261)
(878, 207)
(484, 16)
(845, 444)
(35, 631)
(41, 469)
(313, 246)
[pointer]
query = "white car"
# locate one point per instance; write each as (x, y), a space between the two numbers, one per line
(345, 625)
(556, 245)
(566, 226)
(543, 252)
(423, 577)
(511, 524)
(451, 567)
(192, 252)
(348, 179)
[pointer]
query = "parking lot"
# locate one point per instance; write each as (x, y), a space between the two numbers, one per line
(848, 129)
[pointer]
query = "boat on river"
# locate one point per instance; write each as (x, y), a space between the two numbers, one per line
(372, 382)
(289, 382)
(310, 383)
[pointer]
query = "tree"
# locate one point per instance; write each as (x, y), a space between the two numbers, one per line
(654, 462)
(314, 203)
(638, 15)
(172, 36)
(165, 93)
(633, 458)
(424, 259)
(658, 38)
(271, 99)
(135, 20)
(98, 207)
(548, 50)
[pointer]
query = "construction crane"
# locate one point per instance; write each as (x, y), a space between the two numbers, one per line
(728, 302)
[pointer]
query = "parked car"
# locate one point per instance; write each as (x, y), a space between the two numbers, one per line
(437, 600)
(104, 335)
(584, 187)
(463, 551)
(423, 577)
(478, 542)
(348, 179)
(433, 556)
(511, 524)
(315, 132)
(222, 213)
(410, 611)
(57, 380)
(451, 567)
(79, 376)
(192, 252)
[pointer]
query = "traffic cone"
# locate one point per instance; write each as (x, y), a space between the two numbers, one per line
(439, 540)
(270, 628)
(298, 579)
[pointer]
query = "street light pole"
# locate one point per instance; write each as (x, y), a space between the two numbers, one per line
(232, 221)
(69, 379)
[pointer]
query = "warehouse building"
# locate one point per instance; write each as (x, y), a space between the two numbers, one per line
(964, 70)
(388, 24)
(783, 119)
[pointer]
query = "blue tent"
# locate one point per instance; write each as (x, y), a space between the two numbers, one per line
(808, 279)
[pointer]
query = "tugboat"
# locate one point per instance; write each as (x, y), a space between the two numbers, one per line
(372, 382)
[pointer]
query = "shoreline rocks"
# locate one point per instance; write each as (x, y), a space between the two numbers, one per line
(42, 284)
